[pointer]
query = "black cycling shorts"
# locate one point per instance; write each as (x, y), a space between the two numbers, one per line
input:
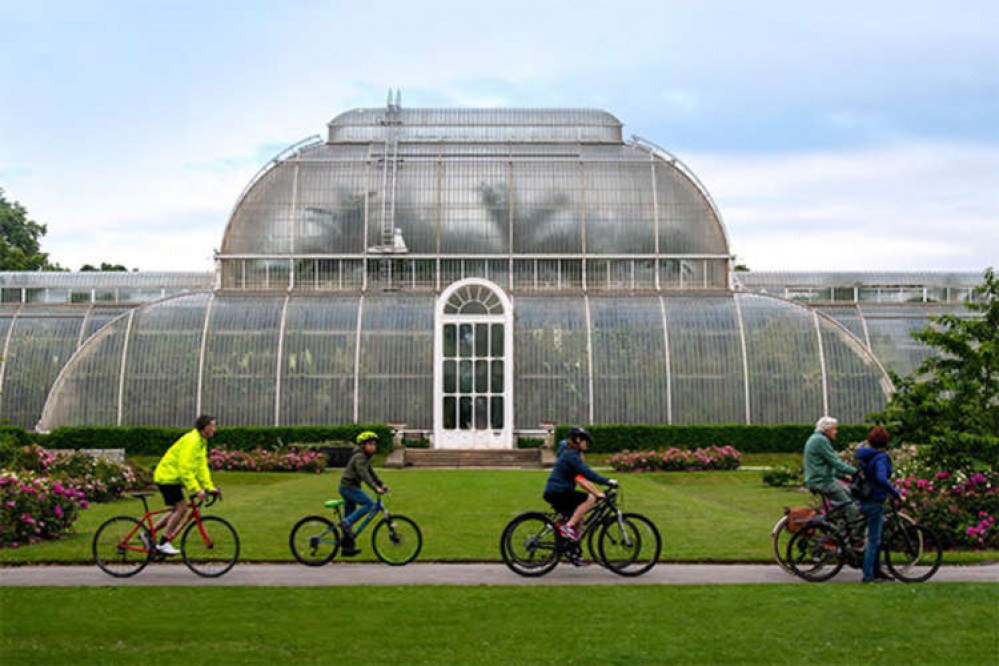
(172, 493)
(566, 502)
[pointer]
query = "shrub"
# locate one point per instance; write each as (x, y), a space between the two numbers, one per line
(34, 508)
(785, 475)
(675, 460)
(155, 441)
(260, 460)
(529, 443)
(745, 438)
(961, 508)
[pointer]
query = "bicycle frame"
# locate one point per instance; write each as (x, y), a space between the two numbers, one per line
(377, 508)
(595, 517)
(147, 521)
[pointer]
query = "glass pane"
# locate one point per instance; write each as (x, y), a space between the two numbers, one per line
(449, 340)
(497, 377)
(449, 413)
(465, 376)
(481, 422)
(481, 340)
(465, 340)
(496, 412)
(449, 376)
(497, 340)
(465, 413)
(481, 376)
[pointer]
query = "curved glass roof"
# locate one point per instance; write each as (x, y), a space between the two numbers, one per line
(597, 200)
(36, 341)
(471, 125)
(278, 359)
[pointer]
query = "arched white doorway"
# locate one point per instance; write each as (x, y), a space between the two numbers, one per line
(473, 367)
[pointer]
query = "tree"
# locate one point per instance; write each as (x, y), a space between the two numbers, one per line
(105, 266)
(951, 401)
(20, 247)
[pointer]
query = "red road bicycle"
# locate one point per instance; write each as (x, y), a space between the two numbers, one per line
(123, 545)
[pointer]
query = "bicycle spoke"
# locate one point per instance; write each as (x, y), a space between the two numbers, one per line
(314, 541)
(212, 549)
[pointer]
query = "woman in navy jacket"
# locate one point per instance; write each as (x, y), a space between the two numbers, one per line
(877, 465)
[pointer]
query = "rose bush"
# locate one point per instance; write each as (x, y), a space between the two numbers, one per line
(676, 460)
(961, 508)
(34, 508)
(259, 460)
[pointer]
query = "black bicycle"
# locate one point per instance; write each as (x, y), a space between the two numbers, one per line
(396, 539)
(629, 544)
(819, 549)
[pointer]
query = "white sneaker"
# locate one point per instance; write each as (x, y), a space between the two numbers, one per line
(167, 549)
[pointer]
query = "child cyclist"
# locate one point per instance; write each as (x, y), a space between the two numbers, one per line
(358, 503)
(569, 469)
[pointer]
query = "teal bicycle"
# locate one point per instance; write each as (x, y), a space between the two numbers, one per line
(316, 540)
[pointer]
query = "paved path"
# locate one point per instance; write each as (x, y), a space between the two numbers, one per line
(263, 575)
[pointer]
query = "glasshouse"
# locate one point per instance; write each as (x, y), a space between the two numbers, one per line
(471, 274)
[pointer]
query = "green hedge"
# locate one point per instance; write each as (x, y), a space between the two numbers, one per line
(744, 438)
(155, 441)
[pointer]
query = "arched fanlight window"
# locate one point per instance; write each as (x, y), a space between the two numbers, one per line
(473, 299)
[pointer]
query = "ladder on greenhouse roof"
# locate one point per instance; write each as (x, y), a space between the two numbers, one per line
(391, 238)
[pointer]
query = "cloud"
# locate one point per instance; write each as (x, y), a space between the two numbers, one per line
(900, 206)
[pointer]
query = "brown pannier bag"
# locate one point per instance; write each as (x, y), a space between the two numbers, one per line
(798, 516)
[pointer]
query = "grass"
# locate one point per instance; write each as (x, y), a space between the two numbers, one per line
(716, 516)
(926, 624)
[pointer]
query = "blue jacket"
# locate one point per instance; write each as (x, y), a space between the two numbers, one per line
(567, 467)
(878, 466)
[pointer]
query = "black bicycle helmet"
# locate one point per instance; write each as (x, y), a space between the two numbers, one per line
(581, 433)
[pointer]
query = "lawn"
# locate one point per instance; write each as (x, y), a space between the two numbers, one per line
(925, 624)
(717, 516)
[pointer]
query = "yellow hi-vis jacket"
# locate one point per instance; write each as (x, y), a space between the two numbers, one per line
(186, 462)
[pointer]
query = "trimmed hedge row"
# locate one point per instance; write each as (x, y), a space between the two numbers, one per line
(155, 441)
(744, 438)
(607, 438)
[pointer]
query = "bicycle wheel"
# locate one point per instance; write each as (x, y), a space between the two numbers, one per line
(630, 547)
(314, 541)
(815, 553)
(912, 553)
(396, 540)
(119, 549)
(528, 545)
(780, 536)
(212, 550)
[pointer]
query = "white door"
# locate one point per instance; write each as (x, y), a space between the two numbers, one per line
(473, 371)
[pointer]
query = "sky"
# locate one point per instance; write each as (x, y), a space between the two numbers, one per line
(832, 136)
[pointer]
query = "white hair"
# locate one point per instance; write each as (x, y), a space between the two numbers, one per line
(825, 424)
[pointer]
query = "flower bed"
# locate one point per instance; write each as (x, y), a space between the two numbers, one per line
(259, 460)
(961, 509)
(100, 480)
(676, 460)
(34, 508)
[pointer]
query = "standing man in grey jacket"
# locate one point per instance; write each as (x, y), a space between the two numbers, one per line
(822, 469)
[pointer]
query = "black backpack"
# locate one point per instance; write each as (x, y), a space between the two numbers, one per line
(862, 485)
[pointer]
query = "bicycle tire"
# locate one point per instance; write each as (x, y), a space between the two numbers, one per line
(396, 540)
(113, 554)
(913, 553)
(815, 553)
(780, 536)
(529, 544)
(218, 556)
(625, 559)
(314, 541)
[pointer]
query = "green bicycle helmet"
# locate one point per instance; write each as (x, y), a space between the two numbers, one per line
(366, 436)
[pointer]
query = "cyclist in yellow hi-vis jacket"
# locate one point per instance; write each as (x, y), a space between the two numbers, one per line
(183, 466)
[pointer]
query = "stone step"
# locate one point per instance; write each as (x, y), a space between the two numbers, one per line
(471, 458)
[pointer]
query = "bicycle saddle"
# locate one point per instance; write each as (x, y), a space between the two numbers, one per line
(333, 503)
(145, 493)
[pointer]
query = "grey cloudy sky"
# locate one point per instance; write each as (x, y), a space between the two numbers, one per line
(856, 136)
